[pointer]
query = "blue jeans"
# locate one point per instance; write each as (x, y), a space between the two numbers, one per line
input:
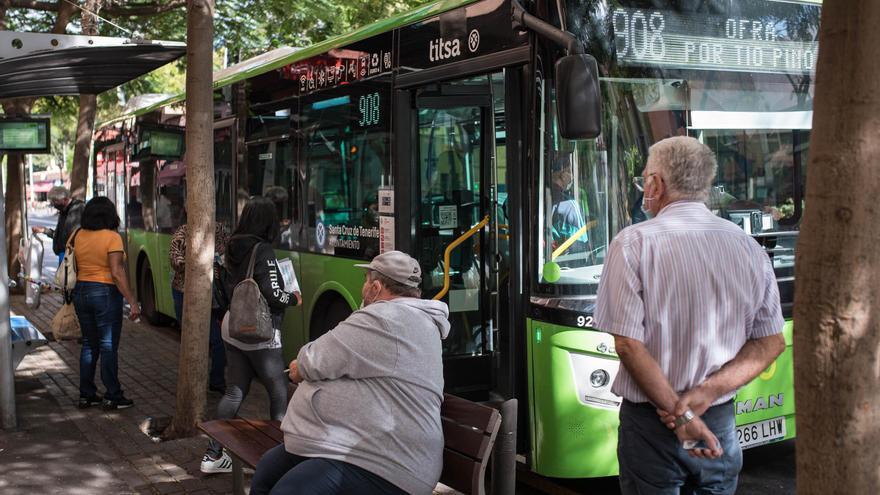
(216, 376)
(99, 310)
(652, 460)
(280, 472)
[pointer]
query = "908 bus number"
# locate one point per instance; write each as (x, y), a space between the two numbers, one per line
(585, 321)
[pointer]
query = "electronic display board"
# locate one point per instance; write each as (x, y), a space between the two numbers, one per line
(160, 142)
(24, 135)
(751, 36)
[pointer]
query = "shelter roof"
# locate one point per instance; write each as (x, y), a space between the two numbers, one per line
(40, 64)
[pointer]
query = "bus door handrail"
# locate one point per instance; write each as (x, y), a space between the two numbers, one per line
(446, 254)
(571, 240)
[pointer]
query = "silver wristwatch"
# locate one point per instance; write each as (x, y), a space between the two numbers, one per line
(685, 418)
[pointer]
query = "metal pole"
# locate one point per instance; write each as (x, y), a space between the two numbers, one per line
(7, 379)
(30, 177)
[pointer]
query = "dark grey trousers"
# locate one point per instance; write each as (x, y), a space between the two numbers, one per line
(266, 365)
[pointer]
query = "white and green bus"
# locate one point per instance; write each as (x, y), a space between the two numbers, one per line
(439, 133)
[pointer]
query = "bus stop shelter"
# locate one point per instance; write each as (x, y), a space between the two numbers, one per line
(38, 64)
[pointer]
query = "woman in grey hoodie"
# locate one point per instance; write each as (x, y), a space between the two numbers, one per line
(365, 418)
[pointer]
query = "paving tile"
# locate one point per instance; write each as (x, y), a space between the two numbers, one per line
(108, 443)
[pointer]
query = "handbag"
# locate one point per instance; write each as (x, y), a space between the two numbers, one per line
(250, 320)
(65, 324)
(65, 276)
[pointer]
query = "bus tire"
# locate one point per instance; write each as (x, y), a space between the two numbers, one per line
(328, 313)
(147, 297)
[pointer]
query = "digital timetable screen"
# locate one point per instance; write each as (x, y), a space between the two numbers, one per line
(753, 36)
(24, 135)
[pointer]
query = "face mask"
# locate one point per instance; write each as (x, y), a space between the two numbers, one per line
(367, 299)
(645, 209)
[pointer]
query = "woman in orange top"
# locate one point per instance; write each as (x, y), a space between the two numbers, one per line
(101, 283)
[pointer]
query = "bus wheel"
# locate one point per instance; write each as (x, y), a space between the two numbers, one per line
(147, 296)
(327, 315)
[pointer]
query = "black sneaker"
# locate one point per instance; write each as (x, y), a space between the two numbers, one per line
(120, 403)
(87, 402)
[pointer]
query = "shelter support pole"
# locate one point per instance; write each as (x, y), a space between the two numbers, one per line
(7, 379)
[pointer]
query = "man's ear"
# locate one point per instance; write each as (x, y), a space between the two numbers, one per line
(659, 187)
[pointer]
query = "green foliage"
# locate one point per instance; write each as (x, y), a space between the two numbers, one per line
(169, 79)
(64, 113)
(249, 27)
(242, 29)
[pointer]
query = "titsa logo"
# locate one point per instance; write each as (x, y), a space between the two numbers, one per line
(441, 49)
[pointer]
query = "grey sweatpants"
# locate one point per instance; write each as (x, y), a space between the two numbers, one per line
(267, 365)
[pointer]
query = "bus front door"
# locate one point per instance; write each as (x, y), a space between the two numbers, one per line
(455, 206)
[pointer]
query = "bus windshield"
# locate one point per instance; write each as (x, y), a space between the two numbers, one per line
(738, 77)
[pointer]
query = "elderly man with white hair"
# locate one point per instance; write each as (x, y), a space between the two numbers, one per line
(693, 305)
(69, 216)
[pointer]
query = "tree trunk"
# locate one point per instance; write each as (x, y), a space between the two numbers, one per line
(837, 339)
(85, 127)
(193, 369)
(14, 202)
(15, 190)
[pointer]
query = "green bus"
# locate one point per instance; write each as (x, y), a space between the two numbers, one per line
(438, 133)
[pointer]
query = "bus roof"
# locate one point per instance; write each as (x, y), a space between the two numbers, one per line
(281, 57)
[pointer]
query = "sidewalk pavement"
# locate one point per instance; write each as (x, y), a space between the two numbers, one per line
(58, 448)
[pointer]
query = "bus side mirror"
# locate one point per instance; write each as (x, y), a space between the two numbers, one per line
(578, 101)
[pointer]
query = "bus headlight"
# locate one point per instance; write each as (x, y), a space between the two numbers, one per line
(599, 378)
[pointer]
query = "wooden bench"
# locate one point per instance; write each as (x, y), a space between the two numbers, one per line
(469, 431)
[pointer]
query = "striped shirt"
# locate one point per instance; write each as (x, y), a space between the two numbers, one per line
(693, 288)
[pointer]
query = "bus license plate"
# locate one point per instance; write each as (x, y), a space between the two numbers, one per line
(754, 434)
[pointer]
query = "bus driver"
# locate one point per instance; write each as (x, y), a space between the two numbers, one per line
(566, 217)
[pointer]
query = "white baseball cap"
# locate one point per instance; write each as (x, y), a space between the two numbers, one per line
(397, 266)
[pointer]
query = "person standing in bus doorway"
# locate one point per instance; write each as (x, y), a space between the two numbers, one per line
(365, 418)
(69, 218)
(177, 257)
(693, 305)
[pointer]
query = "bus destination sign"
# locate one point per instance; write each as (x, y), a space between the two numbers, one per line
(356, 62)
(767, 42)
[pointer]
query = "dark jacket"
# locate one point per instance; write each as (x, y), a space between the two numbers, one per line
(266, 273)
(68, 221)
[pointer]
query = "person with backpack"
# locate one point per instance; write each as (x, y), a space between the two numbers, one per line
(250, 263)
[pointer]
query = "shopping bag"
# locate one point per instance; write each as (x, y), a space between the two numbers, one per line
(65, 325)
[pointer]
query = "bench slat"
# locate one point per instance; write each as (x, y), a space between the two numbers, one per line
(460, 473)
(469, 413)
(253, 434)
(465, 440)
(271, 429)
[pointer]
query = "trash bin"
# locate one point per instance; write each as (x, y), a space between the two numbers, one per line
(25, 338)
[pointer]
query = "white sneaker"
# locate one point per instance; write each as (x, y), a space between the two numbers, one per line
(212, 466)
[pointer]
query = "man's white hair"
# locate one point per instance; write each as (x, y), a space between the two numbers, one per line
(688, 166)
(58, 193)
